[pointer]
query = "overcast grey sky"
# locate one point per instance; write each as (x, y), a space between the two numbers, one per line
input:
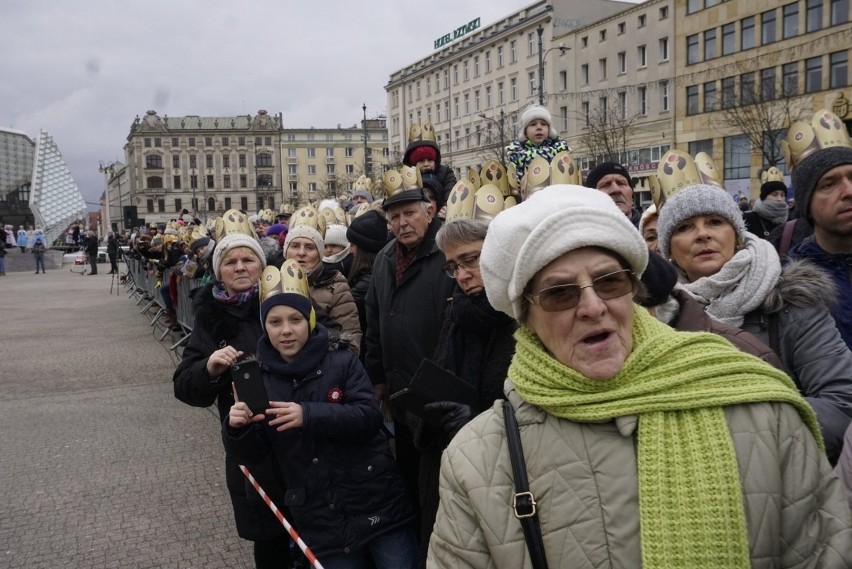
(83, 70)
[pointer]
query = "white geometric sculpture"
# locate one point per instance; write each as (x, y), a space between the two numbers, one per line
(55, 199)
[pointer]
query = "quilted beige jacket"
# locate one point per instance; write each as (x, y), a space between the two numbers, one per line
(583, 476)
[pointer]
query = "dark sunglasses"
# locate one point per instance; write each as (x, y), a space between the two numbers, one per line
(566, 296)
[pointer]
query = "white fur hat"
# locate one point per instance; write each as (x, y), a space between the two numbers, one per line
(532, 113)
(523, 239)
(307, 232)
(233, 241)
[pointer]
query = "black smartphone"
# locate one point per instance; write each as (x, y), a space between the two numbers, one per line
(248, 385)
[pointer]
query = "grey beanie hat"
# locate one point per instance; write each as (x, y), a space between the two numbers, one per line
(807, 173)
(701, 199)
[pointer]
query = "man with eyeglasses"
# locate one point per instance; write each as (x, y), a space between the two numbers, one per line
(405, 306)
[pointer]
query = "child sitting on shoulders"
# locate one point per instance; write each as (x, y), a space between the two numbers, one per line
(536, 137)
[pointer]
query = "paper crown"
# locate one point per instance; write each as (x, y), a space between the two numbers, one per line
(286, 209)
(333, 216)
(232, 221)
(541, 173)
(363, 183)
(359, 209)
(772, 174)
(198, 232)
(417, 132)
(396, 183)
(266, 215)
(678, 170)
(289, 279)
(803, 139)
(493, 172)
(482, 195)
(311, 217)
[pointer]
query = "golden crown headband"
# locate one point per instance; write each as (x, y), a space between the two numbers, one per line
(407, 178)
(416, 132)
(290, 279)
(541, 173)
(310, 217)
(803, 139)
(677, 170)
(482, 195)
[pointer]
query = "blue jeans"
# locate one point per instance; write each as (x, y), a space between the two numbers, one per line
(395, 550)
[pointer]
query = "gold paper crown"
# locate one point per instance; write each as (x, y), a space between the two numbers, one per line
(266, 215)
(286, 208)
(771, 174)
(198, 232)
(310, 217)
(824, 131)
(541, 173)
(467, 201)
(360, 209)
(290, 279)
(407, 178)
(333, 216)
(416, 132)
(677, 170)
(494, 173)
(363, 183)
(233, 221)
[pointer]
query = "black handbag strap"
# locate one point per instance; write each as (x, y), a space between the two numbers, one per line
(523, 502)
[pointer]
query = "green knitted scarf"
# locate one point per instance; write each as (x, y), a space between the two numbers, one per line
(690, 497)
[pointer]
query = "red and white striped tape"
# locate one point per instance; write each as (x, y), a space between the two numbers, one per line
(293, 533)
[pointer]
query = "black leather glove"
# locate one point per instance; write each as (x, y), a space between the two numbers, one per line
(451, 416)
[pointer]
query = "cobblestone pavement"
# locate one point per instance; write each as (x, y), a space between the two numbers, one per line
(100, 465)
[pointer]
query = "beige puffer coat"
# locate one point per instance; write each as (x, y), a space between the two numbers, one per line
(330, 291)
(583, 476)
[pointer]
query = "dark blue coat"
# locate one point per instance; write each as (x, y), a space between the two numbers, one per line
(343, 486)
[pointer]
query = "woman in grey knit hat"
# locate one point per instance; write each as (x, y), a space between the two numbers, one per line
(739, 280)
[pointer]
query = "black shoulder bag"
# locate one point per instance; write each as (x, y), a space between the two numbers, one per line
(523, 503)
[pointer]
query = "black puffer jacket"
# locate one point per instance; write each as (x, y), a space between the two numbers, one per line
(216, 324)
(343, 486)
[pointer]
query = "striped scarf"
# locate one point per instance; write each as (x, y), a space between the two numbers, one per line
(690, 497)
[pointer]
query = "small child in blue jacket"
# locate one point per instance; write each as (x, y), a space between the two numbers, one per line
(324, 427)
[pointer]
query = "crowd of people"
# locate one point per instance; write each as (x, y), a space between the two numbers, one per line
(661, 388)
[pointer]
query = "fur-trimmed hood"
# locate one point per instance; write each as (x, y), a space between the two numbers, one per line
(803, 284)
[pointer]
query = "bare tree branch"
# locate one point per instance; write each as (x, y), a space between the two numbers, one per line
(607, 137)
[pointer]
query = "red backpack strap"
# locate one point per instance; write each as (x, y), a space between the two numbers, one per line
(786, 238)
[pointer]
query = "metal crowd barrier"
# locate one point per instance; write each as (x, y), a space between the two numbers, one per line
(141, 284)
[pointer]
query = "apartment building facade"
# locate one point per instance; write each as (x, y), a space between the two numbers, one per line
(474, 88)
(207, 165)
(764, 61)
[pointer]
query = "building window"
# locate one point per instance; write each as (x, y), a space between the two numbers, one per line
(531, 43)
(191, 141)
(154, 182)
(692, 49)
(563, 114)
(664, 12)
(642, 54)
(241, 141)
(622, 62)
(176, 182)
(500, 94)
(193, 181)
(584, 74)
(709, 44)
(790, 79)
(312, 169)
(585, 107)
(729, 41)
(642, 93)
(467, 103)
(418, 90)
(602, 68)
(476, 105)
(692, 100)
(488, 96)
(693, 6)
(499, 56)
(242, 160)
(664, 49)
(729, 92)
(226, 183)
(642, 20)
(158, 142)
(161, 205)
(208, 160)
(149, 204)
(602, 35)
(697, 146)
(747, 88)
(455, 77)
(264, 180)
(513, 51)
(747, 33)
(737, 157)
(790, 22)
(208, 141)
(292, 169)
(153, 161)
(227, 203)
(621, 28)
(837, 70)
(664, 95)
(839, 12)
(813, 74)
(768, 32)
(176, 161)
(226, 161)
(312, 152)
(147, 143)
(487, 61)
(622, 105)
(312, 187)
(243, 183)
(210, 181)
(767, 84)
(709, 96)
(178, 204)
(513, 88)
(350, 168)
(225, 141)
(813, 15)
(175, 141)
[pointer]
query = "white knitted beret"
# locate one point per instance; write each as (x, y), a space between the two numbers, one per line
(532, 113)
(524, 239)
(233, 241)
(336, 235)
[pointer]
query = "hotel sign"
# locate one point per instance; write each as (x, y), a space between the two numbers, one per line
(457, 33)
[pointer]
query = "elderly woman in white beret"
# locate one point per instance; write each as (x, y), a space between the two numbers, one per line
(738, 279)
(643, 446)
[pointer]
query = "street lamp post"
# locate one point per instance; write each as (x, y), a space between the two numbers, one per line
(502, 137)
(541, 55)
(364, 108)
